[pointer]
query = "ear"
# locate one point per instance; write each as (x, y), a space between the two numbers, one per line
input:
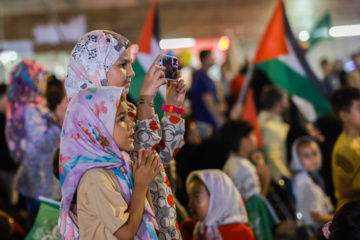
(343, 115)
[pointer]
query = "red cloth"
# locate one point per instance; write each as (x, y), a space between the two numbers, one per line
(228, 232)
(236, 85)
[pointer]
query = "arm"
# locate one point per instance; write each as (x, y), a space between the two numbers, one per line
(154, 78)
(321, 218)
(136, 210)
(347, 190)
(344, 172)
(274, 154)
(263, 172)
(144, 171)
(213, 108)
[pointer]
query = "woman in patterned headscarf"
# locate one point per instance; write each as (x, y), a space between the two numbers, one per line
(33, 134)
(103, 58)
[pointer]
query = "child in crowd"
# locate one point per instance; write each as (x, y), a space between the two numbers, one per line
(112, 195)
(251, 181)
(311, 201)
(248, 179)
(345, 103)
(345, 224)
(216, 206)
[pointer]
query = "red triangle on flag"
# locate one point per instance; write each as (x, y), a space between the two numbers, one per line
(148, 30)
(273, 42)
(249, 114)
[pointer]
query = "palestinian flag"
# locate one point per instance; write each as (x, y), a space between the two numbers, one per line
(280, 57)
(149, 49)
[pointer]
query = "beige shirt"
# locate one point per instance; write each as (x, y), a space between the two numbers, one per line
(102, 209)
(274, 133)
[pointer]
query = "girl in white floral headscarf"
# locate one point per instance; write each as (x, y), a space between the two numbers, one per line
(103, 58)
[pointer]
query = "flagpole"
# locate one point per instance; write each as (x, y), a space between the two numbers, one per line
(237, 108)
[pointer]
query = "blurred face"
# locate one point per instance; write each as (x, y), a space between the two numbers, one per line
(121, 72)
(199, 199)
(352, 117)
(209, 60)
(124, 128)
(326, 69)
(249, 143)
(193, 136)
(310, 156)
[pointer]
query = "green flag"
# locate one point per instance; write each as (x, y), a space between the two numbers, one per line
(46, 223)
(320, 30)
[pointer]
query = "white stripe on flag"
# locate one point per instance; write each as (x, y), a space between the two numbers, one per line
(292, 61)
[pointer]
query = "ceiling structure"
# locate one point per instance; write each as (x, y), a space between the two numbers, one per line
(245, 19)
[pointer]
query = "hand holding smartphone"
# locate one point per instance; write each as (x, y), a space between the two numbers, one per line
(171, 65)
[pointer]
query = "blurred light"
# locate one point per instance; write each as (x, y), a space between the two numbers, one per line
(299, 215)
(12, 55)
(224, 43)
(350, 66)
(60, 72)
(281, 182)
(304, 36)
(345, 31)
(8, 56)
(4, 57)
(177, 43)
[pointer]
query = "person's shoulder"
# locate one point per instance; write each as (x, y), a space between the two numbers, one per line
(302, 180)
(97, 175)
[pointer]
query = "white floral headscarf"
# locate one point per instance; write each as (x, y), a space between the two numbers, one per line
(91, 59)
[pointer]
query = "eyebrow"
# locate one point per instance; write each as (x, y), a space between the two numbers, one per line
(120, 113)
(126, 60)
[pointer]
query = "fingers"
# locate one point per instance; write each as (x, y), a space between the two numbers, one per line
(145, 157)
(155, 64)
(151, 158)
(181, 86)
(140, 155)
(155, 161)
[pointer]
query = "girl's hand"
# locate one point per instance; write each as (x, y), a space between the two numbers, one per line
(154, 78)
(175, 92)
(258, 158)
(146, 167)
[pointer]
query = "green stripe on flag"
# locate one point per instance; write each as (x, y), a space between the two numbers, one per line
(135, 87)
(286, 78)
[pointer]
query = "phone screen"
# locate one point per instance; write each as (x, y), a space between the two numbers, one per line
(171, 64)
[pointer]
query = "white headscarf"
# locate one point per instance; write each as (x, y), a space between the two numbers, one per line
(295, 165)
(91, 59)
(225, 206)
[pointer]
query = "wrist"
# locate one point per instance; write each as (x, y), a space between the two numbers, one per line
(140, 189)
(147, 97)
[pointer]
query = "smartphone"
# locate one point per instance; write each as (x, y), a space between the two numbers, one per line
(171, 65)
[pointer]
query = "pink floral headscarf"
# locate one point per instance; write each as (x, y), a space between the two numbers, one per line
(91, 59)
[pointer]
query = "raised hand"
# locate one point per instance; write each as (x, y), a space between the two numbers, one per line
(154, 78)
(145, 169)
(175, 92)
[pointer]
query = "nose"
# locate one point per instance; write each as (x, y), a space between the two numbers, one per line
(131, 123)
(131, 72)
